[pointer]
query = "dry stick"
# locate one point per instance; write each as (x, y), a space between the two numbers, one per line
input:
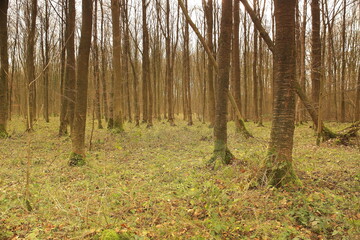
(214, 63)
(327, 133)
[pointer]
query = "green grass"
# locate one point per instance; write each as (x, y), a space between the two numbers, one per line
(154, 184)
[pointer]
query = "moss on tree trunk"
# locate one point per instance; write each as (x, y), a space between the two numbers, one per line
(76, 160)
(278, 168)
(221, 155)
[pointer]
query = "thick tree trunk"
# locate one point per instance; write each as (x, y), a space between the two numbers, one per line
(68, 101)
(4, 67)
(116, 121)
(279, 167)
(221, 153)
(315, 52)
(78, 128)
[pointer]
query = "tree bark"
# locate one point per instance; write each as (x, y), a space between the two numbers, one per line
(4, 67)
(315, 52)
(77, 157)
(221, 153)
(210, 72)
(186, 74)
(147, 115)
(357, 103)
(236, 61)
(46, 62)
(125, 57)
(103, 65)
(116, 120)
(30, 66)
(169, 67)
(279, 168)
(96, 69)
(255, 73)
(69, 93)
(343, 66)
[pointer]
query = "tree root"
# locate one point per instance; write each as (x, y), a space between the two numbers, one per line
(76, 160)
(220, 158)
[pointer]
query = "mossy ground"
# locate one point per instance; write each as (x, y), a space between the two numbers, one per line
(153, 183)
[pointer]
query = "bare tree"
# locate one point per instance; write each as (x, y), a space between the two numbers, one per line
(82, 72)
(4, 67)
(30, 64)
(236, 60)
(210, 72)
(69, 94)
(315, 52)
(116, 120)
(279, 166)
(222, 154)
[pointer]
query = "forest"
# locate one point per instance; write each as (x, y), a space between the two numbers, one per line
(180, 119)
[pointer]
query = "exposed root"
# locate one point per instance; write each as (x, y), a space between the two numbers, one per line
(220, 158)
(76, 160)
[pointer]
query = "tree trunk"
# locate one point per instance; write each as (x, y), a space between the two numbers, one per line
(186, 76)
(169, 68)
(210, 72)
(77, 157)
(125, 56)
(255, 73)
(246, 46)
(96, 70)
(103, 65)
(147, 115)
(68, 101)
(63, 98)
(315, 52)
(303, 57)
(261, 83)
(30, 66)
(357, 103)
(4, 67)
(116, 121)
(221, 153)
(279, 166)
(236, 61)
(343, 66)
(46, 62)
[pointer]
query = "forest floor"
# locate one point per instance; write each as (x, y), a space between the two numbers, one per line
(154, 184)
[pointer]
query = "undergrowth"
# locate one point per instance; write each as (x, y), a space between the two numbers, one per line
(153, 183)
